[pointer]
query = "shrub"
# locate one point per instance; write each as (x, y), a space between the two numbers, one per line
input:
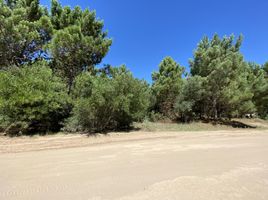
(156, 117)
(108, 102)
(32, 99)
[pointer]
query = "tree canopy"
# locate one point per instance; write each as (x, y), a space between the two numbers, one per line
(228, 91)
(78, 43)
(167, 83)
(108, 102)
(25, 28)
(49, 77)
(32, 99)
(72, 39)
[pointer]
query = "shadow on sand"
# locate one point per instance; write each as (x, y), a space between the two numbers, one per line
(232, 123)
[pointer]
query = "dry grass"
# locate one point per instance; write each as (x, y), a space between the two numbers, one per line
(178, 127)
(198, 126)
(195, 126)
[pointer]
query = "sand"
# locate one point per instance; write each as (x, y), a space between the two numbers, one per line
(166, 166)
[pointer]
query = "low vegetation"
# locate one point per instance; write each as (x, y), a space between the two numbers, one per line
(32, 99)
(103, 103)
(49, 80)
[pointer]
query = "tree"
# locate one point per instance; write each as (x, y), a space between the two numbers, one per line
(56, 11)
(190, 101)
(228, 92)
(32, 99)
(24, 29)
(167, 83)
(259, 80)
(110, 102)
(265, 68)
(73, 40)
(79, 42)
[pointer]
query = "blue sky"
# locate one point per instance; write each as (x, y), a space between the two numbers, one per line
(145, 31)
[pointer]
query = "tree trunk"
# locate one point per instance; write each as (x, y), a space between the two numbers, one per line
(214, 108)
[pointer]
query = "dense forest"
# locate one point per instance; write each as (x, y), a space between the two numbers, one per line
(49, 80)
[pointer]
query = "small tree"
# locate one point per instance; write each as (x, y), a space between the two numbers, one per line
(32, 99)
(167, 83)
(189, 103)
(108, 102)
(259, 80)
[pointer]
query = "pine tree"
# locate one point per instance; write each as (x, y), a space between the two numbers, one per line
(79, 42)
(265, 68)
(259, 81)
(24, 29)
(167, 83)
(228, 92)
(190, 101)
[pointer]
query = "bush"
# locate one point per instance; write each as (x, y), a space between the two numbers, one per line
(108, 102)
(32, 100)
(156, 117)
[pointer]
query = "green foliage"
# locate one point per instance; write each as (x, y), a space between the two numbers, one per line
(189, 103)
(167, 83)
(72, 38)
(24, 29)
(74, 52)
(32, 99)
(228, 92)
(265, 68)
(259, 80)
(108, 102)
(156, 117)
(79, 42)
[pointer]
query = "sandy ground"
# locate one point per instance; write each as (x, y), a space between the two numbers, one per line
(166, 166)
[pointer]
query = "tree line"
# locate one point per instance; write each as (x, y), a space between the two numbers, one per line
(49, 80)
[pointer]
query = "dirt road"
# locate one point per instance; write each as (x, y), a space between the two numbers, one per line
(166, 166)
